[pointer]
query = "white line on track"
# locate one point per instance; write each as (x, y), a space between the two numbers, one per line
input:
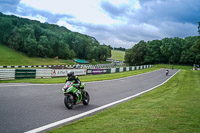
(40, 129)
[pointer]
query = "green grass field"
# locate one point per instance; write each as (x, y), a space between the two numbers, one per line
(9, 57)
(186, 67)
(117, 55)
(172, 107)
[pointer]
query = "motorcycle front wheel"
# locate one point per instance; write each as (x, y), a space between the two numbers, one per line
(69, 102)
(86, 98)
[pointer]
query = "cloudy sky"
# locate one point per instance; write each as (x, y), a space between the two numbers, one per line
(119, 23)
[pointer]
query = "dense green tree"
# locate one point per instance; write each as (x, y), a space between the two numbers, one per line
(120, 48)
(6, 28)
(14, 40)
(31, 47)
(137, 54)
(128, 56)
(187, 57)
(43, 46)
(153, 52)
(167, 50)
(197, 59)
(171, 49)
(49, 40)
(188, 54)
(196, 47)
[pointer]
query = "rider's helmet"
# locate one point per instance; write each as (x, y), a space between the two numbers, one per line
(70, 74)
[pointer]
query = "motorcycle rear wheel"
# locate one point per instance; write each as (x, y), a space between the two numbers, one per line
(69, 102)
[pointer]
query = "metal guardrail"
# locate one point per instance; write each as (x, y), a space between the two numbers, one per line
(25, 73)
(43, 73)
(66, 66)
(8, 74)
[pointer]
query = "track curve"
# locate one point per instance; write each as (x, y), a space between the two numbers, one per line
(24, 107)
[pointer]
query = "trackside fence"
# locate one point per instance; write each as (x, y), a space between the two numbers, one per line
(43, 73)
(110, 65)
(25, 73)
(8, 74)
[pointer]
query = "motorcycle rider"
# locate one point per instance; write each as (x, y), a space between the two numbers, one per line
(71, 77)
(167, 72)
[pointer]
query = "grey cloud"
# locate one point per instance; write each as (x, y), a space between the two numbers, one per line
(174, 29)
(124, 35)
(165, 18)
(8, 5)
(10, 2)
(183, 11)
(51, 18)
(12, 6)
(112, 10)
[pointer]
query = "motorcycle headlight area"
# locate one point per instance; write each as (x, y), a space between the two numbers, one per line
(63, 89)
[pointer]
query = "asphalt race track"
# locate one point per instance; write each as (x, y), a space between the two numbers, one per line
(24, 107)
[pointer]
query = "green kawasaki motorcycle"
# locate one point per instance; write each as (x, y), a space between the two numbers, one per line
(75, 96)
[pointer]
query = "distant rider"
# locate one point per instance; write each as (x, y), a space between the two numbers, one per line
(167, 72)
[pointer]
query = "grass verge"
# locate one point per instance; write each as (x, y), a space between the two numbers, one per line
(168, 66)
(118, 55)
(9, 57)
(172, 107)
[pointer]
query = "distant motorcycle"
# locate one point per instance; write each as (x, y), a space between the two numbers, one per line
(74, 96)
(167, 72)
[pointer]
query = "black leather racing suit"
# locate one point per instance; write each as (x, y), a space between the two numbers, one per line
(75, 80)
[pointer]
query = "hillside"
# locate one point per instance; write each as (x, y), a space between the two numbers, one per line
(117, 55)
(36, 39)
(9, 57)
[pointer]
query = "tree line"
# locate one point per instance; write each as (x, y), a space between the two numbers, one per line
(168, 50)
(37, 39)
(120, 49)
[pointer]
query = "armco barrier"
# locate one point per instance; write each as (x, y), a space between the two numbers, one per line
(124, 69)
(43, 73)
(127, 68)
(121, 69)
(117, 70)
(7, 74)
(130, 68)
(108, 70)
(25, 73)
(110, 65)
(113, 70)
